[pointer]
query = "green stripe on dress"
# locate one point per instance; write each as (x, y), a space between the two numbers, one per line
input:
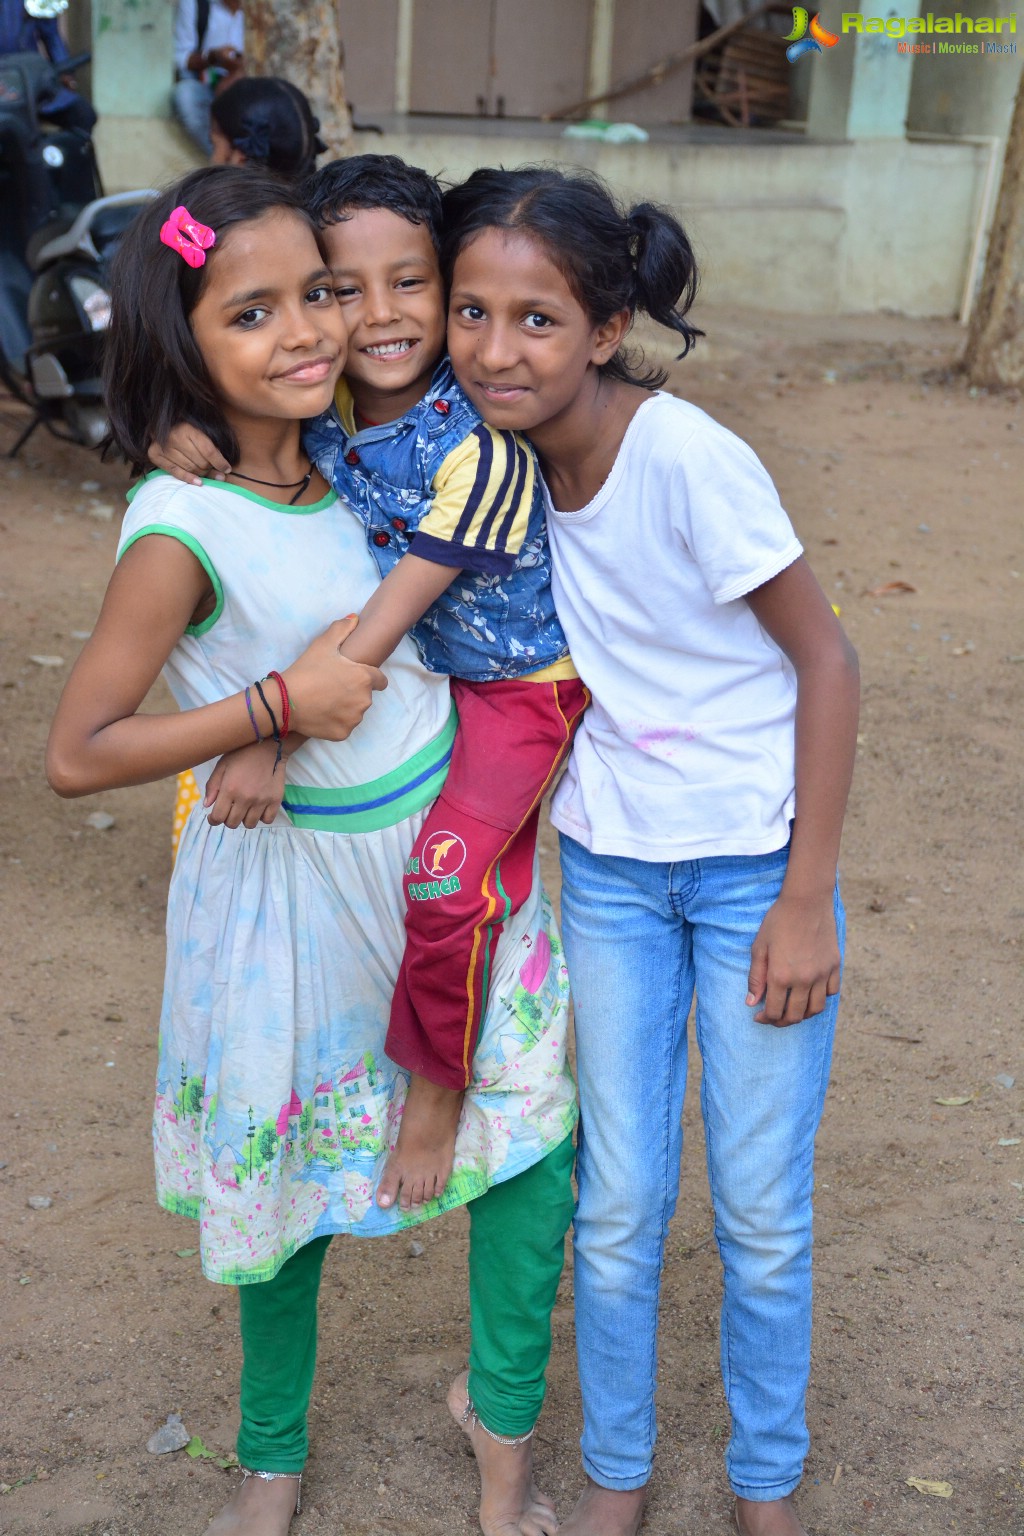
(383, 802)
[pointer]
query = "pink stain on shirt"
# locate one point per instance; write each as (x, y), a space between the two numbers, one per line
(649, 741)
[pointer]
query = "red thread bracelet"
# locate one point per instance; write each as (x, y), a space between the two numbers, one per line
(286, 707)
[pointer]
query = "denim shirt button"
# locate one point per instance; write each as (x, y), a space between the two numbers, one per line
(381, 539)
(351, 457)
(399, 523)
(442, 407)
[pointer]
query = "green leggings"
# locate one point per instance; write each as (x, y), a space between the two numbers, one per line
(516, 1245)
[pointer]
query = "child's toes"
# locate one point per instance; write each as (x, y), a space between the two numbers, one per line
(387, 1189)
(422, 1190)
(412, 1192)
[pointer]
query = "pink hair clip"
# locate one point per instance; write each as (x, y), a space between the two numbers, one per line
(185, 235)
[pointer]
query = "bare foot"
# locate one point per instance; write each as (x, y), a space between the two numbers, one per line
(419, 1167)
(775, 1518)
(258, 1508)
(606, 1512)
(510, 1502)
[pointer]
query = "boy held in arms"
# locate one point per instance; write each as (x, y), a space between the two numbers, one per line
(454, 519)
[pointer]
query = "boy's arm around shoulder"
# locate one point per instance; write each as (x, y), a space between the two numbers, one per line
(189, 455)
(192, 457)
(795, 959)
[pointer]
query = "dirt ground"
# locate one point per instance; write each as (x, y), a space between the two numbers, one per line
(894, 473)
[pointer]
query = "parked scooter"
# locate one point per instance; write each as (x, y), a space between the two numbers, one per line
(57, 234)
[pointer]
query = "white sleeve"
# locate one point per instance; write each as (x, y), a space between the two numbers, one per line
(727, 513)
(186, 40)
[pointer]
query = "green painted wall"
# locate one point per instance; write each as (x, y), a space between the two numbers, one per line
(132, 68)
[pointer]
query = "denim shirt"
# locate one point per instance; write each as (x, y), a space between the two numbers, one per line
(485, 626)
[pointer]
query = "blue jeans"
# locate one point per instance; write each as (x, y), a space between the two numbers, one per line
(191, 100)
(640, 938)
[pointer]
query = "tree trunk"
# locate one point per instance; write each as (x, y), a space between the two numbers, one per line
(994, 356)
(300, 40)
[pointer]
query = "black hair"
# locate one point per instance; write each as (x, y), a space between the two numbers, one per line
(272, 123)
(376, 181)
(611, 259)
(154, 375)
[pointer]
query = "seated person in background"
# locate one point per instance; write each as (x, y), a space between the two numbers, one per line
(265, 121)
(209, 36)
(28, 26)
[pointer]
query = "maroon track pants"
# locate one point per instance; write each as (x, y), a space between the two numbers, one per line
(472, 865)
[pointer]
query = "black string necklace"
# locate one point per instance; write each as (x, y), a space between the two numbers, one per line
(299, 486)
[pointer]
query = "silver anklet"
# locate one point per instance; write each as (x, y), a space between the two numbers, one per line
(470, 1416)
(271, 1477)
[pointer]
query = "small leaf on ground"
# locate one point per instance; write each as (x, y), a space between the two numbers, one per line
(889, 589)
(956, 1100)
(197, 1450)
(186, 1253)
(933, 1486)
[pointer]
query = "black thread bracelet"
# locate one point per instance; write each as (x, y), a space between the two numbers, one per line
(275, 728)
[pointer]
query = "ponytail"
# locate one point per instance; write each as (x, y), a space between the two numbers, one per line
(666, 270)
(640, 261)
(271, 122)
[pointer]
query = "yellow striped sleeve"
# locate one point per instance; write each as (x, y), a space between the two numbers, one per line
(483, 493)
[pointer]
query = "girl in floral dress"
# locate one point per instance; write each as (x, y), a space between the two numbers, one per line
(276, 1104)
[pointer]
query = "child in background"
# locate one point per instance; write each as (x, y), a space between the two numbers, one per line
(275, 1099)
(263, 120)
(454, 520)
(700, 814)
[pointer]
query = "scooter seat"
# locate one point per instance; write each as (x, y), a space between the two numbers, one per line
(110, 224)
(96, 229)
(42, 237)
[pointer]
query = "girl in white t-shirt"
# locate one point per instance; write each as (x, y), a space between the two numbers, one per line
(700, 815)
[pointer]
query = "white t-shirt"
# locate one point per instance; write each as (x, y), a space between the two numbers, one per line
(687, 750)
(225, 29)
